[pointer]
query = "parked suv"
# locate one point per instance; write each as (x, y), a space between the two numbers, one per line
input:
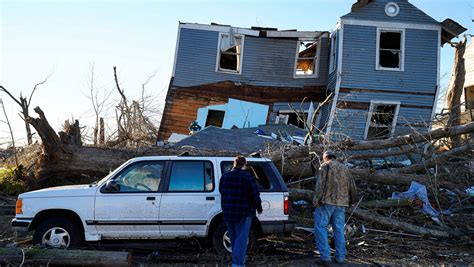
(159, 197)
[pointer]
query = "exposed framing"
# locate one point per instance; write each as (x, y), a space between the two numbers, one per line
(218, 56)
(373, 103)
(317, 60)
(402, 48)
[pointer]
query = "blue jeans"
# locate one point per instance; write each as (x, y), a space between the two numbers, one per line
(324, 215)
(239, 237)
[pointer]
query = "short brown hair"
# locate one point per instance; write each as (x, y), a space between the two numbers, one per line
(239, 161)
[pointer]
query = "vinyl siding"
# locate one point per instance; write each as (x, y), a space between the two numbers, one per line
(349, 123)
(325, 111)
(265, 61)
(376, 11)
(352, 122)
(419, 100)
(359, 59)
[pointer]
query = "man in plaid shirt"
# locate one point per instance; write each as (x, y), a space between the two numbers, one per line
(239, 200)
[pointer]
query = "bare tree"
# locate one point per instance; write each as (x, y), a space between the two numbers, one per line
(135, 128)
(7, 122)
(24, 103)
(99, 100)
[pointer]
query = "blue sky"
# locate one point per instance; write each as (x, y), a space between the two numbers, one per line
(63, 38)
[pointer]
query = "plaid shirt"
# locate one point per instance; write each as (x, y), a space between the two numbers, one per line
(239, 195)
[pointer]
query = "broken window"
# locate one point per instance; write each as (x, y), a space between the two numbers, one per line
(382, 120)
(292, 118)
(390, 50)
(306, 59)
(215, 118)
(230, 52)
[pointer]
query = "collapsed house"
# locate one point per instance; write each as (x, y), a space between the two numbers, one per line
(381, 63)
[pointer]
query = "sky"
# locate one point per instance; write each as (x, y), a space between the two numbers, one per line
(62, 40)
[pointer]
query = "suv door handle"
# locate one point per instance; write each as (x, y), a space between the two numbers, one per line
(150, 198)
(210, 198)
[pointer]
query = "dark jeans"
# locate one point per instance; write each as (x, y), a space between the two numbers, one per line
(239, 237)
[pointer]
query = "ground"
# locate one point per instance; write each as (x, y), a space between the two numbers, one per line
(370, 248)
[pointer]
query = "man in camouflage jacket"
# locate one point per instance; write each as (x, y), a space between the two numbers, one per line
(335, 190)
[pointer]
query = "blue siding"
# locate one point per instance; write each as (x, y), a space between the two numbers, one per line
(412, 119)
(419, 100)
(349, 123)
(376, 11)
(277, 106)
(325, 112)
(359, 54)
(265, 62)
(352, 122)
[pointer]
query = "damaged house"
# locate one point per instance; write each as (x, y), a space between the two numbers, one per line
(382, 63)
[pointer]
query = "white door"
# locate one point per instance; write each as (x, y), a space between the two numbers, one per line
(189, 199)
(128, 206)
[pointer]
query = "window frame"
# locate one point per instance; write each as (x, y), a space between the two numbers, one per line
(270, 172)
(126, 168)
(402, 49)
(374, 103)
(167, 182)
(218, 57)
(316, 61)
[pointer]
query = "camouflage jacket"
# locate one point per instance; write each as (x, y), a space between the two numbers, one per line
(335, 185)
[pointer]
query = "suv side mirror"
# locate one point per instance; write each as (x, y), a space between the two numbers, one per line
(112, 186)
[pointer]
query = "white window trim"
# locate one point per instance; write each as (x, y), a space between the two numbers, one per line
(402, 47)
(218, 57)
(371, 110)
(316, 63)
(332, 60)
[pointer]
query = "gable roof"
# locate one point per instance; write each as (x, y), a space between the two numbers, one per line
(375, 10)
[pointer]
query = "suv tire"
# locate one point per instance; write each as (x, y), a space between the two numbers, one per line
(221, 243)
(57, 232)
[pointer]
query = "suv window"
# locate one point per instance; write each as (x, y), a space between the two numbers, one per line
(140, 177)
(256, 169)
(191, 176)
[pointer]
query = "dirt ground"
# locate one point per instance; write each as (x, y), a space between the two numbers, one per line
(374, 247)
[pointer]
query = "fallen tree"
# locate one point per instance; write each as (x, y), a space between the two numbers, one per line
(64, 159)
(307, 195)
(40, 256)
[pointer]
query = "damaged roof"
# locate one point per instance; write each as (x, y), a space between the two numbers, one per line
(242, 140)
(255, 31)
(450, 30)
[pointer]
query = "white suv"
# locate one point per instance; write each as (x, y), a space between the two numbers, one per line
(156, 197)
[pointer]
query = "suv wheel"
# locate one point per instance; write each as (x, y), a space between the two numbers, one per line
(57, 233)
(221, 240)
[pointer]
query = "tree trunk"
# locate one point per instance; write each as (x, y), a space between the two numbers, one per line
(25, 112)
(456, 88)
(395, 224)
(51, 142)
(40, 256)
(101, 132)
